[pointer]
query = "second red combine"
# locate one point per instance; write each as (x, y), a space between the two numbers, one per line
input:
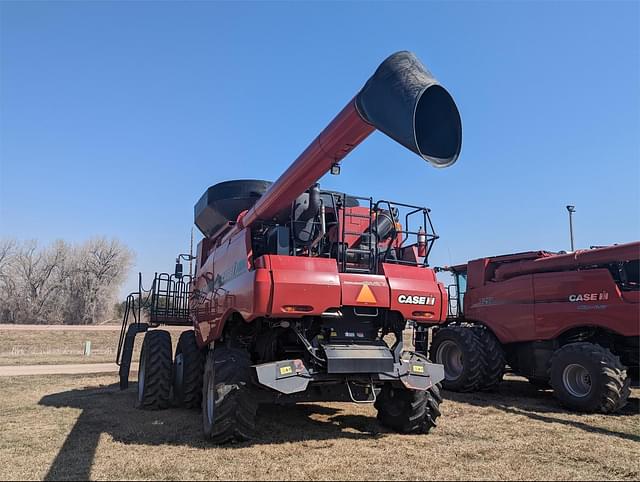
(297, 289)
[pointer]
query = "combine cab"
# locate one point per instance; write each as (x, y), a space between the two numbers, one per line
(566, 321)
(303, 294)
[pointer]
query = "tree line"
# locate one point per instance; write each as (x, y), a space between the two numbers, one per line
(67, 283)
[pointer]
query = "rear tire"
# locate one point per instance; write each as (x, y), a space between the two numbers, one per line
(458, 348)
(154, 372)
(408, 411)
(494, 360)
(589, 378)
(188, 368)
(228, 404)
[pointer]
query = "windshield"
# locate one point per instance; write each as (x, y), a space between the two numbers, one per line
(462, 289)
(630, 279)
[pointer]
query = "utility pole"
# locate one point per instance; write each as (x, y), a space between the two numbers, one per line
(571, 209)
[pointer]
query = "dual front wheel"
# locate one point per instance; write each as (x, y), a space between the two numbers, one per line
(163, 381)
(228, 408)
(472, 357)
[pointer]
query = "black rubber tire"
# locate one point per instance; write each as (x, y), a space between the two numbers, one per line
(472, 357)
(154, 371)
(228, 403)
(188, 368)
(408, 411)
(610, 386)
(494, 359)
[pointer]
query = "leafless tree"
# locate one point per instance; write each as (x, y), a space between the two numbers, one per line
(7, 283)
(60, 283)
(100, 268)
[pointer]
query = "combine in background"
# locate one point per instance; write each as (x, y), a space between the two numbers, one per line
(571, 321)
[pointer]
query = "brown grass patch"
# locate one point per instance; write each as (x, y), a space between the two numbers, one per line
(83, 426)
(38, 347)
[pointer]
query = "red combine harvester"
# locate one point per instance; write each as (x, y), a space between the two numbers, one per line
(571, 321)
(296, 288)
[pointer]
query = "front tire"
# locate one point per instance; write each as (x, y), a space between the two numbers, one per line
(154, 371)
(228, 404)
(589, 378)
(188, 368)
(459, 349)
(408, 411)
(494, 359)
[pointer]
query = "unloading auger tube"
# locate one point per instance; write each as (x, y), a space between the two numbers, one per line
(401, 99)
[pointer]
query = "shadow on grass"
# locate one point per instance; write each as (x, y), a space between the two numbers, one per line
(521, 398)
(107, 410)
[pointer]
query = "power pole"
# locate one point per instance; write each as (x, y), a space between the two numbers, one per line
(571, 209)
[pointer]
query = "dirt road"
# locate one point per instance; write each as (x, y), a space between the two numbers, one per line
(71, 369)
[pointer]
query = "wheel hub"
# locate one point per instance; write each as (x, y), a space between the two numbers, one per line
(577, 380)
(450, 355)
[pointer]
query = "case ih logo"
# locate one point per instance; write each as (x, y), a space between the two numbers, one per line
(416, 300)
(602, 296)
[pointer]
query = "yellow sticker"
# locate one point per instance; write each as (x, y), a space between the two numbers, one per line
(417, 368)
(286, 370)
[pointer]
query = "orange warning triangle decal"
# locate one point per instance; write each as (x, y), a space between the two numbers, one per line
(366, 295)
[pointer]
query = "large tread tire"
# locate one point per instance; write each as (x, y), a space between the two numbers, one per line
(228, 403)
(154, 371)
(472, 359)
(188, 368)
(609, 384)
(408, 411)
(494, 359)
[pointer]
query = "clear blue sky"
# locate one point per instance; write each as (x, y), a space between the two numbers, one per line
(115, 116)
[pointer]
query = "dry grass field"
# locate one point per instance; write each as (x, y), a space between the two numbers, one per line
(81, 426)
(59, 346)
(38, 347)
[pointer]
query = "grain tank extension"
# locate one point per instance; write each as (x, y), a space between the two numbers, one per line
(303, 294)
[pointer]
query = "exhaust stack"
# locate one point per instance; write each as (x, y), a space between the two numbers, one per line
(401, 99)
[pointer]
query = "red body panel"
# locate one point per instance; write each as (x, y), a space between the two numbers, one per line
(226, 284)
(552, 292)
(303, 281)
(354, 293)
(539, 296)
(409, 281)
(506, 307)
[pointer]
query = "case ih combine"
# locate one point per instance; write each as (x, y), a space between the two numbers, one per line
(571, 321)
(295, 287)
